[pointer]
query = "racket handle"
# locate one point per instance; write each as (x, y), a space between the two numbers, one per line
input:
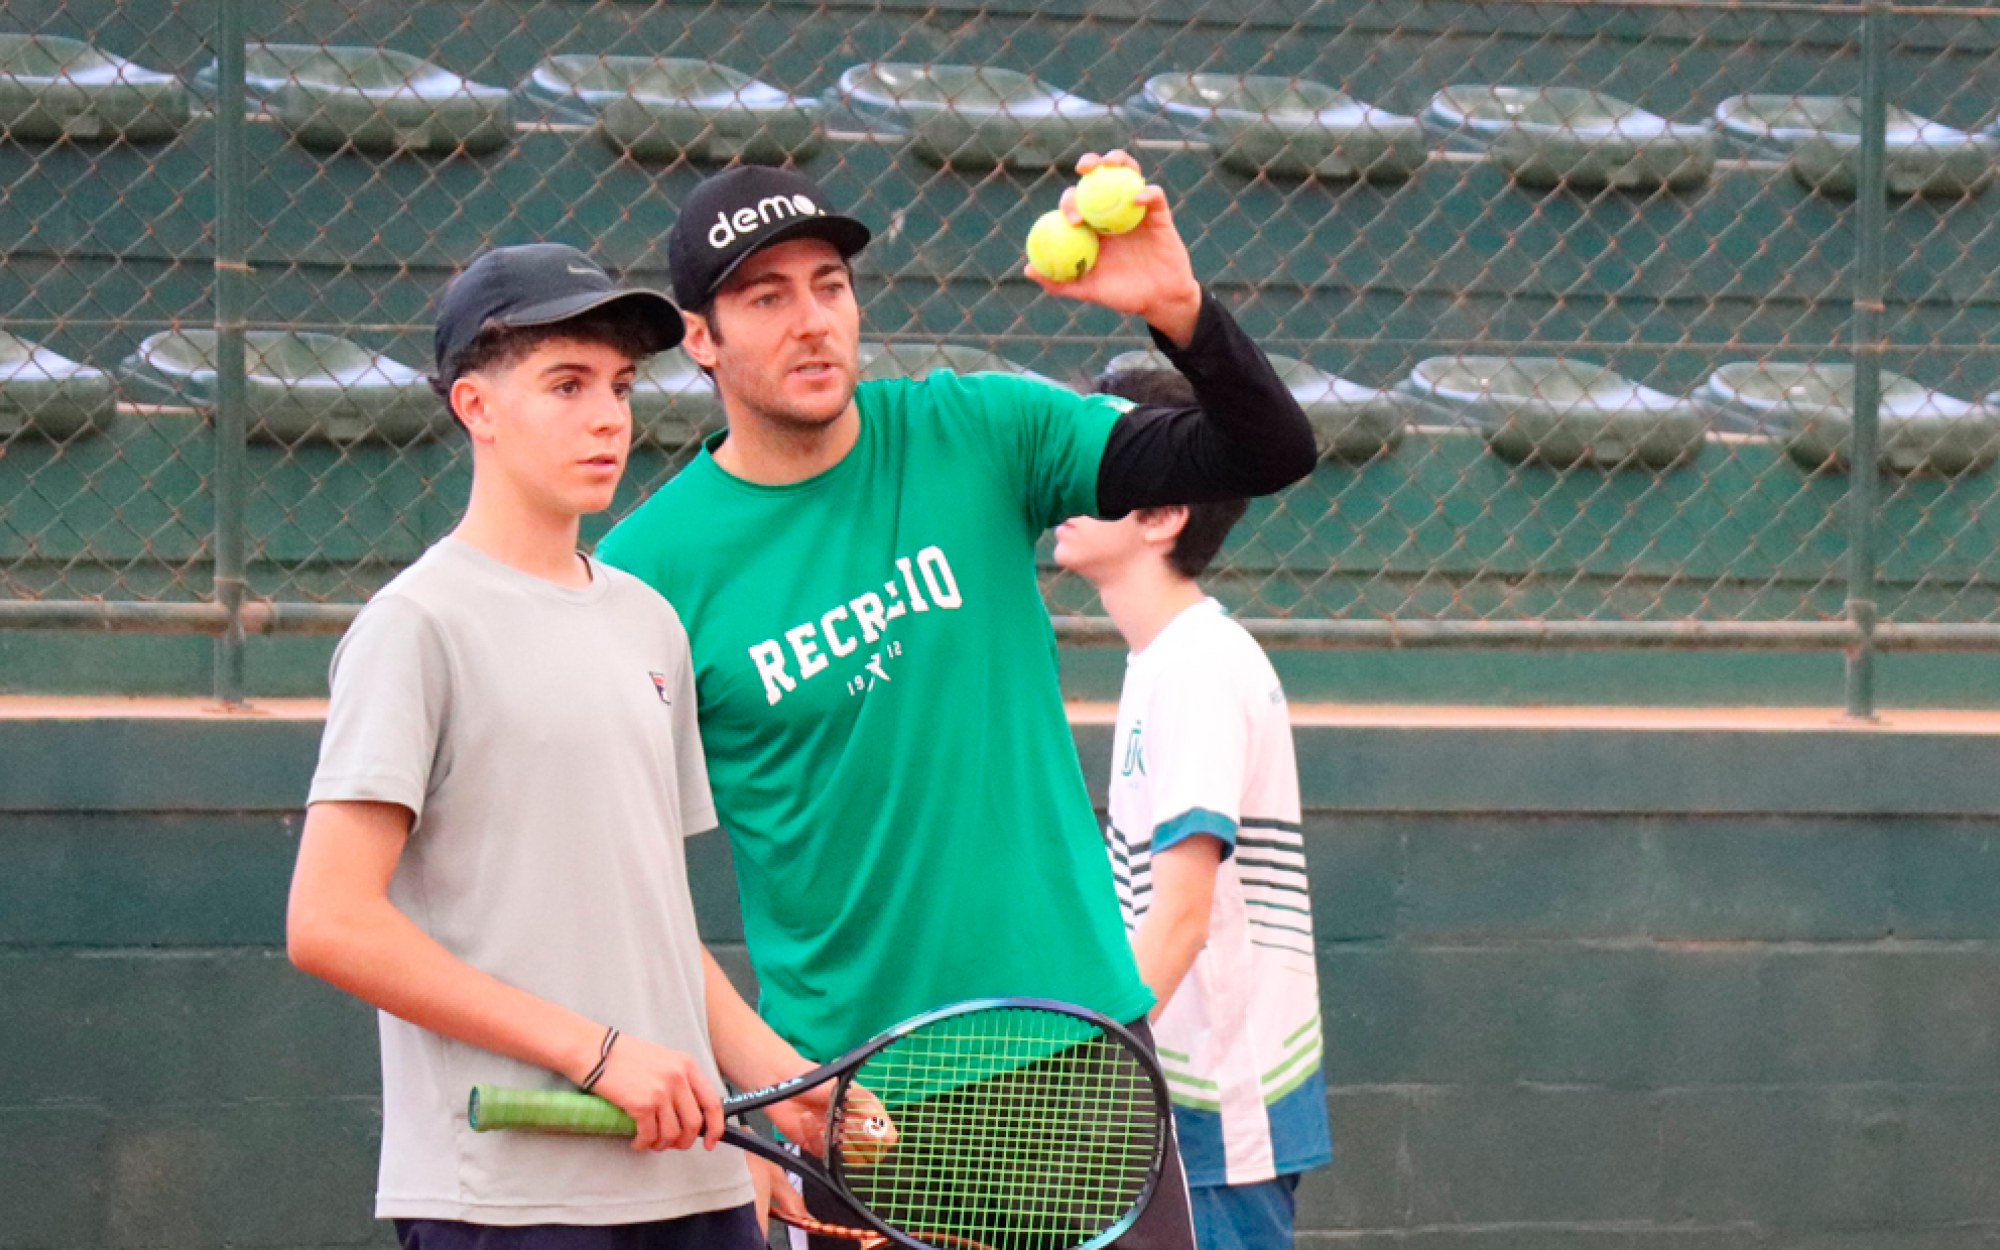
(865, 1239)
(546, 1110)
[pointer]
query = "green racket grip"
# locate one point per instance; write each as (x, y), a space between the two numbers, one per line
(546, 1110)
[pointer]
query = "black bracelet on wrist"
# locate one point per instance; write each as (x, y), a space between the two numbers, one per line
(603, 1058)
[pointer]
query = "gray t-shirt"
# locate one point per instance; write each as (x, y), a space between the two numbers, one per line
(546, 740)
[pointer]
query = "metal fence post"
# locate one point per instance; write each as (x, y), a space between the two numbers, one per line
(1871, 223)
(231, 270)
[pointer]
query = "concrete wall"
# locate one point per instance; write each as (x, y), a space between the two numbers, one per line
(1617, 988)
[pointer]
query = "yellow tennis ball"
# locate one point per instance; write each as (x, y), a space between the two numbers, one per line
(1104, 198)
(1059, 251)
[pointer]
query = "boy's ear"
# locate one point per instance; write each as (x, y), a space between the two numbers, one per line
(1162, 526)
(469, 403)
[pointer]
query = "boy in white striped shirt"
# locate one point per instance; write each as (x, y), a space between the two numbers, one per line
(1205, 846)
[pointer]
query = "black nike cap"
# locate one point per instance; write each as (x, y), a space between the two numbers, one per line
(540, 284)
(739, 212)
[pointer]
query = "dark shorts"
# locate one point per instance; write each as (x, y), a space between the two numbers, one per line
(733, 1229)
(1167, 1223)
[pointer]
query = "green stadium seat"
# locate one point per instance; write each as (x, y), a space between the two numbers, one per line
(54, 88)
(1819, 138)
(1545, 136)
(50, 394)
(1810, 408)
(660, 108)
(1558, 411)
(1350, 421)
(978, 116)
(1286, 127)
(299, 386)
(372, 100)
(673, 402)
(916, 360)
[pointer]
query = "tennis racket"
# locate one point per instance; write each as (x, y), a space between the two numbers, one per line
(1009, 1123)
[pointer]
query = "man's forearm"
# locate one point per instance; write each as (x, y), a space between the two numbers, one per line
(753, 1056)
(1247, 436)
(749, 1052)
(1176, 320)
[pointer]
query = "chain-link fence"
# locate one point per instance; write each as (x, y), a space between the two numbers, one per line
(1585, 300)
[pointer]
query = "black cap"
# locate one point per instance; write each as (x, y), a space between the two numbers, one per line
(539, 284)
(741, 211)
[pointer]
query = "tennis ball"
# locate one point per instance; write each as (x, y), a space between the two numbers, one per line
(1104, 199)
(1059, 251)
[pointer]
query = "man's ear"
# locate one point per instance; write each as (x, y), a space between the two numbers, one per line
(469, 403)
(698, 343)
(1160, 527)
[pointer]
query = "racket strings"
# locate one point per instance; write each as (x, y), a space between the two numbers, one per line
(1015, 1129)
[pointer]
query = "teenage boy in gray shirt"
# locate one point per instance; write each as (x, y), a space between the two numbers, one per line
(492, 849)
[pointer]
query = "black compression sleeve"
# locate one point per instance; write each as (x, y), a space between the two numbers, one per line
(1248, 437)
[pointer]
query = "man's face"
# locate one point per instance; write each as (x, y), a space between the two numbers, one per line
(1097, 549)
(785, 346)
(557, 423)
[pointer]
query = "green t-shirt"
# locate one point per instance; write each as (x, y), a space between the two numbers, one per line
(878, 700)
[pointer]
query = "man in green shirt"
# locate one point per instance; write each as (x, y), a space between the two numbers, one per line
(874, 665)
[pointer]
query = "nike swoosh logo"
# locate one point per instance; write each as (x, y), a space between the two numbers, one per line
(583, 272)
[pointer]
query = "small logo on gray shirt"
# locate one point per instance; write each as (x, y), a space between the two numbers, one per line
(660, 686)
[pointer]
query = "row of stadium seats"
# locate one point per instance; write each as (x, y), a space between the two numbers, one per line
(662, 108)
(1544, 409)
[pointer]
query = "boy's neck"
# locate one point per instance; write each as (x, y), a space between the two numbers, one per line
(1145, 598)
(523, 537)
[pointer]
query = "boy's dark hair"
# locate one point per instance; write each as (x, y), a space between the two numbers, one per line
(497, 347)
(1208, 524)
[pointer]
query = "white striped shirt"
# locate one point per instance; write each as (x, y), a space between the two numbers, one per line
(1204, 746)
